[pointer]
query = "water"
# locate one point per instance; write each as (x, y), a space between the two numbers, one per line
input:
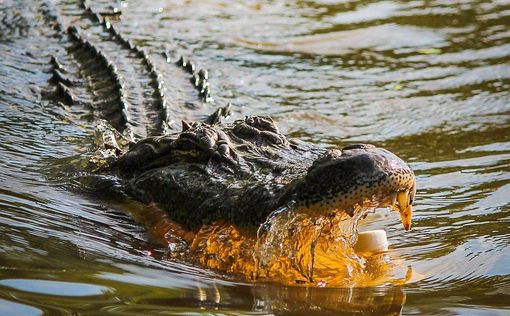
(427, 80)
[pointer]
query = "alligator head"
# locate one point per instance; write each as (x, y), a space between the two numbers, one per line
(242, 172)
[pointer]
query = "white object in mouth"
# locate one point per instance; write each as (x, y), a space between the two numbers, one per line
(371, 241)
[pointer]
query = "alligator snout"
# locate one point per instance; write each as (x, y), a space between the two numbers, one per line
(358, 176)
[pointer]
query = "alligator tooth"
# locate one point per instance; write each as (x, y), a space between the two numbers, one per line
(393, 199)
(116, 77)
(405, 209)
(403, 199)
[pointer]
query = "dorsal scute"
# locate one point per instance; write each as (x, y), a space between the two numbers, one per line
(261, 131)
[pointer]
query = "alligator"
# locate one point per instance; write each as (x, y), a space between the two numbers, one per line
(209, 176)
(241, 172)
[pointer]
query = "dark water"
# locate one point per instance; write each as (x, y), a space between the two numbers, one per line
(429, 80)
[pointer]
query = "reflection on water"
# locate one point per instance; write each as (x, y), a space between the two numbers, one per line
(427, 80)
(378, 38)
(54, 287)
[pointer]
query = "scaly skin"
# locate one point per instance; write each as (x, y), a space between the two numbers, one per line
(116, 80)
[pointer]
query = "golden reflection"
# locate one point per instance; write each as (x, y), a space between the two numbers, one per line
(346, 301)
(291, 249)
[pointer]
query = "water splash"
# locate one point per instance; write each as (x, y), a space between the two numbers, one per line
(301, 249)
(294, 248)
